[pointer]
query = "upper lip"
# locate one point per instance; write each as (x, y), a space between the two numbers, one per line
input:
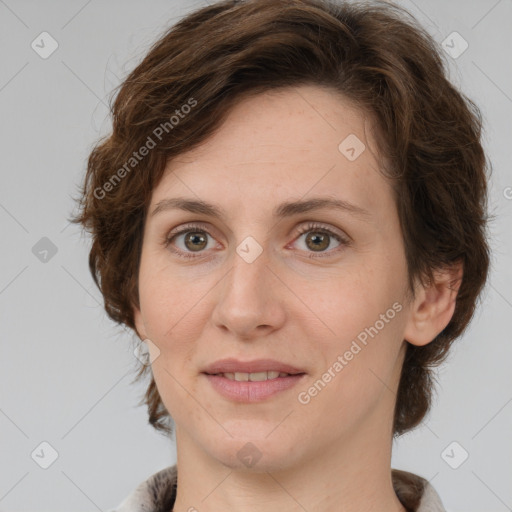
(258, 365)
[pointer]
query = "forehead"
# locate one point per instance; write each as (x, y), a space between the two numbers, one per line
(283, 144)
(306, 119)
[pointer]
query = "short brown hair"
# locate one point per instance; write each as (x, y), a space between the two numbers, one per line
(378, 57)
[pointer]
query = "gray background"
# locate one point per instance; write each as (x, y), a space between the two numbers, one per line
(66, 369)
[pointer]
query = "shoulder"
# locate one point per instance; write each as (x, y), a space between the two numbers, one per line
(415, 492)
(156, 494)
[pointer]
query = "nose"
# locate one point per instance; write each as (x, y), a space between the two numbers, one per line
(250, 301)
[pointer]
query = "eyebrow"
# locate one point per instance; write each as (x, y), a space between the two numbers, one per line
(286, 209)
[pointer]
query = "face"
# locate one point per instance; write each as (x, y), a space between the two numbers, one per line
(322, 290)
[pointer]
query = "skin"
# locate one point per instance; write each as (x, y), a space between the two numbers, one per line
(333, 453)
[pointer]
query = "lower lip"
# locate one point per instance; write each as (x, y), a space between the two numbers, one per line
(248, 391)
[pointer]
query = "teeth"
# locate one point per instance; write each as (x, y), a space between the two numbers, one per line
(253, 377)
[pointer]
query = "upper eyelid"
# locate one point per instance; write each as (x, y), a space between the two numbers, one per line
(303, 227)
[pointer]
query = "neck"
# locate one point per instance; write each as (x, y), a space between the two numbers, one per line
(352, 475)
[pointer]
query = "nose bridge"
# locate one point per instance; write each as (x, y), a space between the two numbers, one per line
(247, 282)
(250, 256)
(247, 298)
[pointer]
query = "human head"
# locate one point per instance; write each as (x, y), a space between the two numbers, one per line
(428, 133)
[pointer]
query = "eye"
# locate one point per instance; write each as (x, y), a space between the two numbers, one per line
(195, 240)
(318, 238)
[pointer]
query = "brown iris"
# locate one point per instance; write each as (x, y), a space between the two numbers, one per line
(315, 237)
(194, 237)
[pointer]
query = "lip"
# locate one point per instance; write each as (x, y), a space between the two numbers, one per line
(232, 365)
(249, 392)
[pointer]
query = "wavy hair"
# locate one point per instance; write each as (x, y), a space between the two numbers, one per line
(375, 55)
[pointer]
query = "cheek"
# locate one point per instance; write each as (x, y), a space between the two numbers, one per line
(343, 304)
(168, 300)
(356, 375)
(367, 339)
(366, 318)
(175, 313)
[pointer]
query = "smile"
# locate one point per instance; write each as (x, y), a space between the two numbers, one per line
(253, 377)
(252, 387)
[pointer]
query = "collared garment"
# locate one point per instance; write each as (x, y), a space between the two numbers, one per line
(158, 493)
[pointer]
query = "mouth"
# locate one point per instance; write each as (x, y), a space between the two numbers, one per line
(254, 377)
(257, 368)
(252, 387)
(251, 381)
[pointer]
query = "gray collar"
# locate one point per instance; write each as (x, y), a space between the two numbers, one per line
(158, 493)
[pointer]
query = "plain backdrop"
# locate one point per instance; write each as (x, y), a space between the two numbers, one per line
(66, 370)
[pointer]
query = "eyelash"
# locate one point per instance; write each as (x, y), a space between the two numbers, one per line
(312, 226)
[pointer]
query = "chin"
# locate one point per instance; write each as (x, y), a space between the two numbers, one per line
(255, 454)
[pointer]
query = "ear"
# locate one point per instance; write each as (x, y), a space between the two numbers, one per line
(432, 308)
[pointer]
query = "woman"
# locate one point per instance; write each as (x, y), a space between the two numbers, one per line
(290, 213)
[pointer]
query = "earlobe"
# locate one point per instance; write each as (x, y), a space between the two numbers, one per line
(434, 305)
